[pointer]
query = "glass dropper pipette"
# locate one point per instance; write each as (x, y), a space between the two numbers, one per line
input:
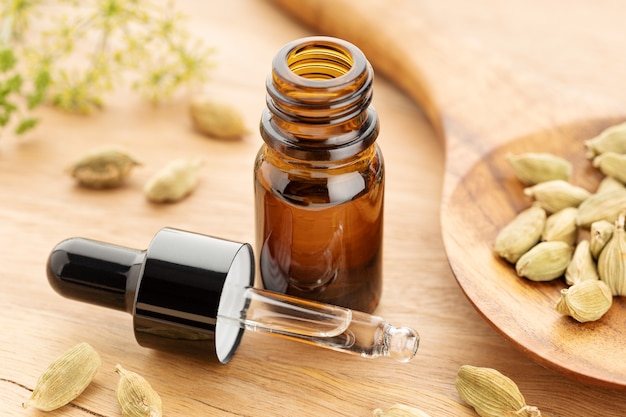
(189, 292)
(325, 325)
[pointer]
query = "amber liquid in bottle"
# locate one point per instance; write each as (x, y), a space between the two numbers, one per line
(319, 177)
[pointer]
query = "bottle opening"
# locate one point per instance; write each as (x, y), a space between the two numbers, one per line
(320, 61)
(318, 98)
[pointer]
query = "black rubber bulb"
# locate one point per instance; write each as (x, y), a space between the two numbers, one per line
(175, 289)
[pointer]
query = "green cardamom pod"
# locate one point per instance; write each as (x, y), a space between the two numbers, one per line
(534, 167)
(561, 226)
(520, 234)
(600, 233)
(545, 261)
(65, 378)
(585, 301)
(612, 164)
(136, 396)
(489, 392)
(174, 182)
(556, 195)
(582, 267)
(216, 119)
(609, 184)
(612, 139)
(612, 260)
(604, 206)
(103, 168)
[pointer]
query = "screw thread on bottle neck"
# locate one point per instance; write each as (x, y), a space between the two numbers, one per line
(318, 100)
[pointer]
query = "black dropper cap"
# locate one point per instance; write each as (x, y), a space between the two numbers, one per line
(175, 289)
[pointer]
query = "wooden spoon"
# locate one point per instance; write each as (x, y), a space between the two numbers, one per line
(484, 107)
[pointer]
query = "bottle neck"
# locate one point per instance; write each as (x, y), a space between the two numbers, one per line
(318, 101)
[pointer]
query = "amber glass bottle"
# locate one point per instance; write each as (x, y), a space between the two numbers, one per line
(319, 177)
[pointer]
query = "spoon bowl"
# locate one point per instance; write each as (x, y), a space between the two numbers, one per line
(486, 199)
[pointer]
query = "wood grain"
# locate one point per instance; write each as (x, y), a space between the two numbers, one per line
(485, 105)
(40, 205)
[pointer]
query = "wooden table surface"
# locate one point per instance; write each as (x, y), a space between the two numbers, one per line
(40, 206)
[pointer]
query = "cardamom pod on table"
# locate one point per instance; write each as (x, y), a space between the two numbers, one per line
(491, 393)
(173, 182)
(216, 119)
(135, 395)
(65, 378)
(103, 168)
